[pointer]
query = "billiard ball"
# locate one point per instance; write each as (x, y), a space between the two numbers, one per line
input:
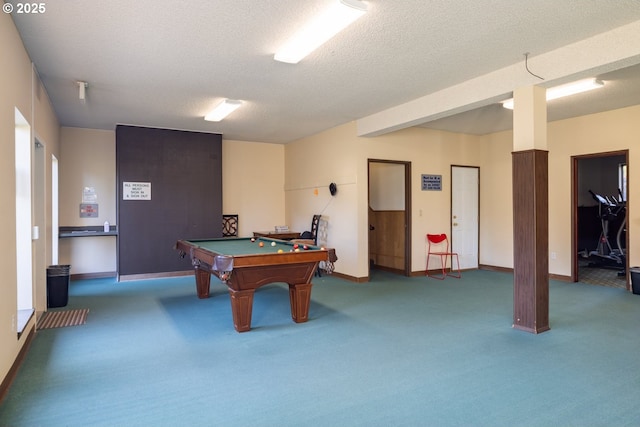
(273, 243)
(261, 244)
(253, 239)
(305, 247)
(280, 251)
(295, 246)
(296, 250)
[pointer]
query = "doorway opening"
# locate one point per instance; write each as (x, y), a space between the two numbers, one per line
(390, 216)
(599, 205)
(39, 224)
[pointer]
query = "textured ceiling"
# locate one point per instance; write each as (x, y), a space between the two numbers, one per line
(166, 64)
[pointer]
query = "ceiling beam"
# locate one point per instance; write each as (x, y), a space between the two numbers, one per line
(599, 54)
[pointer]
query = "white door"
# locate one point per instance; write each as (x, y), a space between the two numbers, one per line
(465, 190)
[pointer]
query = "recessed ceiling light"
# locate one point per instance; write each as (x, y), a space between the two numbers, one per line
(223, 109)
(336, 18)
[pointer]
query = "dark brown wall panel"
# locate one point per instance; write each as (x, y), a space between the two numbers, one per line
(185, 172)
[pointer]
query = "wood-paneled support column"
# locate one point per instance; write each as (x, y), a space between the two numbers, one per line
(531, 241)
(530, 169)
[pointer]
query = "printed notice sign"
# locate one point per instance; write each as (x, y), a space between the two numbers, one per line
(89, 195)
(431, 182)
(136, 191)
(88, 210)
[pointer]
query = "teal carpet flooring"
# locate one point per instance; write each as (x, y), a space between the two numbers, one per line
(395, 351)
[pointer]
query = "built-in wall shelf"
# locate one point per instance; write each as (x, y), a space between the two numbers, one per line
(87, 231)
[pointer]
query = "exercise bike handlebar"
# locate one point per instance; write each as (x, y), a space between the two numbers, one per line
(609, 200)
(600, 199)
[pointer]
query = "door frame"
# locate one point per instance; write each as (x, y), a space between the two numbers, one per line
(407, 208)
(574, 211)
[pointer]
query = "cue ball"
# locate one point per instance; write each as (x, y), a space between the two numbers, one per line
(273, 243)
(253, 239)
(261, 244)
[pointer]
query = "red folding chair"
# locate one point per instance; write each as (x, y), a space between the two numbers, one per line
(438, 246)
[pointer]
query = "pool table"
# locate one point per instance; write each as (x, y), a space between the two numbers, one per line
(245, 264)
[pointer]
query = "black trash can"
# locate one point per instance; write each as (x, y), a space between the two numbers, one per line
(635, 280)
(58, 285)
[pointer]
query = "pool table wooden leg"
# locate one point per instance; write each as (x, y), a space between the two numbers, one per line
(300, 299)
(241, 308)
(203, 280)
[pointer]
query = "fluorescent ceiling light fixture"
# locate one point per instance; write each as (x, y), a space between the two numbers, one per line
(565, 90)
(322, 28)
(223, 109)
(82, 87)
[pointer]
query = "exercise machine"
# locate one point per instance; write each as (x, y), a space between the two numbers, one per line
(605, 255)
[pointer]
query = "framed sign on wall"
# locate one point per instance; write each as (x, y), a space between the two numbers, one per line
(431, 182)
(136, 191)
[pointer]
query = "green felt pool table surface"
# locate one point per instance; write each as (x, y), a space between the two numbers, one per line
(245, 246)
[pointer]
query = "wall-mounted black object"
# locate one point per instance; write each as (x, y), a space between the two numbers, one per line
(333, 188)
(184, 173)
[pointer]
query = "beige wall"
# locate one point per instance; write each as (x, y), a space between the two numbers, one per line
(87, 159)
(596, 133)
(496, 200)
(47, 132)
(430, 152)
(312, 164)
(344, 159)
(385, 180)
(253, 184)
(254, 176)
(20, 88)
